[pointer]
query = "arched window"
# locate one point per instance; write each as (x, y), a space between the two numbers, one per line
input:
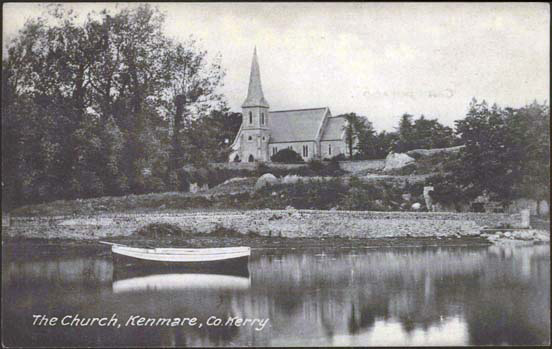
(329, 149)
(305, 151)
(262, 119)
(250, 138)
(251, 158)
(250, 118)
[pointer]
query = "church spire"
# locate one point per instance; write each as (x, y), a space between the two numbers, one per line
(255, 97)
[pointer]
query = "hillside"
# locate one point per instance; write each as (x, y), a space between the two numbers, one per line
(238, 192)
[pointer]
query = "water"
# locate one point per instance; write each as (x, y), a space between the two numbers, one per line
(362, 297)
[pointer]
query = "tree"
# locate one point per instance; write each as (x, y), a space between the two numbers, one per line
(350, 132)
(422, 133)
(487, 164)
(88, 107)
(224, 127)
(384, 143)
(367, 141)
(193, 83)
(529, 136)
(506, 153)
(359, 134)
(405, 132)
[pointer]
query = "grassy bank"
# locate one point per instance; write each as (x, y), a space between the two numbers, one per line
(350, 193)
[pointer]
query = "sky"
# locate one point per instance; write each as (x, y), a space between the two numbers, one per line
(379, 60)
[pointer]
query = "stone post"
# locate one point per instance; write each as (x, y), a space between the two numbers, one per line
(525, 218)
(428, 201)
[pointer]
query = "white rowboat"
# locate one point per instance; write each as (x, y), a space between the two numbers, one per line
(181, 255)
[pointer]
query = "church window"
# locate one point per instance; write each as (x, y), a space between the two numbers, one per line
(250, 118)
(274, 150)
(263, 138)
(305, 151)
(250, 138)
(262, 119)
(329, 149)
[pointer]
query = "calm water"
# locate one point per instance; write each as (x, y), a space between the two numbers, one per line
(401, 296)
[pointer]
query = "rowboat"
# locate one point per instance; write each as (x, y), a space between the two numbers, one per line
(176, 257)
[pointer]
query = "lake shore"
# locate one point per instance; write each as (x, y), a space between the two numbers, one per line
(31, 247)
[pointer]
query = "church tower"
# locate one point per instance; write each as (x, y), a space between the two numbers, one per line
(255, 123)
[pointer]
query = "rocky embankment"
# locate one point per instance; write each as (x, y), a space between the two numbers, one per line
(528, 236)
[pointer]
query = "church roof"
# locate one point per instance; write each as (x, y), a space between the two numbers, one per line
(334, 128)
(255, 96)
(295, 125)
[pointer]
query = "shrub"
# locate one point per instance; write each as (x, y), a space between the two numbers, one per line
(287, 156)
(339, 157)
(316, 194)
(261, 169)
(154, 184)
(315, 165)
(446, 191)
(155, 230)
(334, 168)
(415, 189)
(379, 196)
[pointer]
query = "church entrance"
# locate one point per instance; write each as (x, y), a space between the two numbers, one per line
(251, 158)
(237, 158)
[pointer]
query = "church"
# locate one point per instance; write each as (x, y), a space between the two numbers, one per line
(312, 133)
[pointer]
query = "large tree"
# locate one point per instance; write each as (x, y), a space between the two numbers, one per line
(89, 107)
(506, 154)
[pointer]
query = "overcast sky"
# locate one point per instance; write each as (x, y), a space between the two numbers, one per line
(376, 59)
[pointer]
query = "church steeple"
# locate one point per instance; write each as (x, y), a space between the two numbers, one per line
(255, 96)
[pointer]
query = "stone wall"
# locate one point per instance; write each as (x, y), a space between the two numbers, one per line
(361, 165)
(349, 166)
(287, 223)
(252, 166)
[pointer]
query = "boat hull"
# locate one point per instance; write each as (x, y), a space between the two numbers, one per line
(229, 261)
(182, 255)
(125, 266)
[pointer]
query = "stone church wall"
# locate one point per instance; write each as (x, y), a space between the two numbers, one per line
(338, 147)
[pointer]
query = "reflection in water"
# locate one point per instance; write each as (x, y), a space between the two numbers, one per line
(160, 282)
(403, 296)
